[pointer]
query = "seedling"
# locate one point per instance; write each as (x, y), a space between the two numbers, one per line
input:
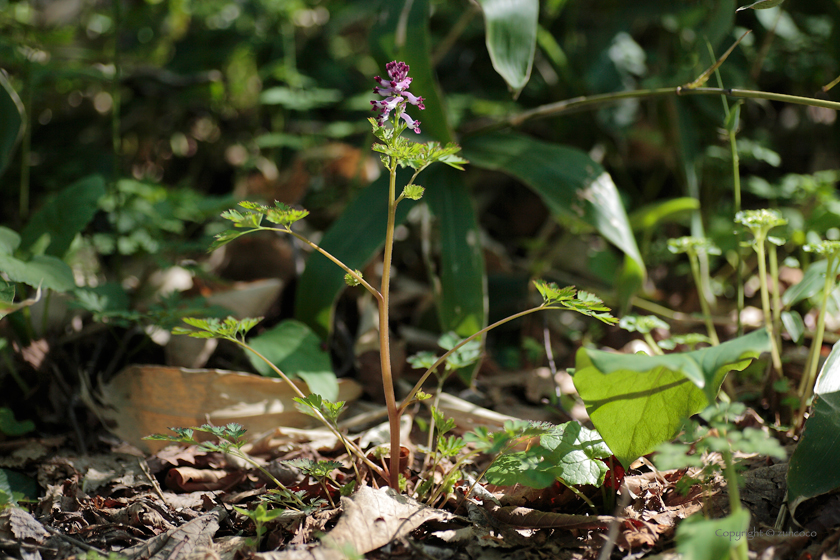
(760, 222)
(231, 438)
(260, 516)
(716, 434)
(693, 247)
(320, 471)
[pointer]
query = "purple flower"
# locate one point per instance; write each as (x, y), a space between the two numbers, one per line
(396, 95)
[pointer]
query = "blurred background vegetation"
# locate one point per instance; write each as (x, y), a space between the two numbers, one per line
(184, 107)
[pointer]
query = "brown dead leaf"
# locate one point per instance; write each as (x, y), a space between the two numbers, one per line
(534, 519)
(19, 525)
(179, 542)
(188, 479)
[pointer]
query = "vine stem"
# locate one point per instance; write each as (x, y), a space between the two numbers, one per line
(588, 102)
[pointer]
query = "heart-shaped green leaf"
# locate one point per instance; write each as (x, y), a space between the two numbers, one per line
(637, 401)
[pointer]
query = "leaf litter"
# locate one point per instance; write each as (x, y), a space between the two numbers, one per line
(178, 504)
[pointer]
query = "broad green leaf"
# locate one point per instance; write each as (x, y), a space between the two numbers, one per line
(511, 38)
(655, 214)
(9, 240)
(296, 350)
(64, 215)
(569, 452)
(637, 401)
(402, 33)
(12, 427)
(462, 301)
(794, 325)
(711, 539)
(41, 270)
(570, 183)
(576, 453)
(7, 305)
(11, 121)
(811, 284)
(813, 466)
(355, 238)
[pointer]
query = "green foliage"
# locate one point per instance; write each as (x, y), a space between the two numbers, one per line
(228, 329)
(637, 402)
(511, 38)
(313, 404)
(642, 324)
(584, 303)
(693, 246)
(711, 539)
(251, 220)
(298, 352)
(231, 437)
(10, 426)
(812, 470)
(568, 452)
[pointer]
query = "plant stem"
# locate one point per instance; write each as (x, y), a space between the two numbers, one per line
(777, 299)
(765, 305)
(810, 378)
(442, 359)
(384, 336)
(740, 552)
(704, 305)
(585, 103)
(347, 443)
(116, 100)
(654, 347)
(343, 266)
(244, 456)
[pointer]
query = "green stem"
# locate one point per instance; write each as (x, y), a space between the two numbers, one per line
(777, 298)
(704, 305)
(765, 305)
(406, 401)
(26, 144)
(343, 266)
(242, 455)
(347, 443)
(811, 376)
(585, 103)
(384, 335)
(740, 552)
(654, 347)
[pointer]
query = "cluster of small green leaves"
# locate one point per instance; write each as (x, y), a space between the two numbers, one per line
(568, 452)
(570, 298)
(461, 358)
(251, 220)
(824, 248)
(716, 433)
(228, 329)
(445, 448)
(296, 500)
(406, 153)
(230, 436)
(313, 404)
(689, 339)
(644, 324)
(760, 222)
(260, 516)
(692, 246)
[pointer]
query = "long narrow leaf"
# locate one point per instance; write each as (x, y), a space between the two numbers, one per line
(569, 182)
(511, 38)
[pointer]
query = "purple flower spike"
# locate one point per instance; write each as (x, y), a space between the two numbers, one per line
(396, 95)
